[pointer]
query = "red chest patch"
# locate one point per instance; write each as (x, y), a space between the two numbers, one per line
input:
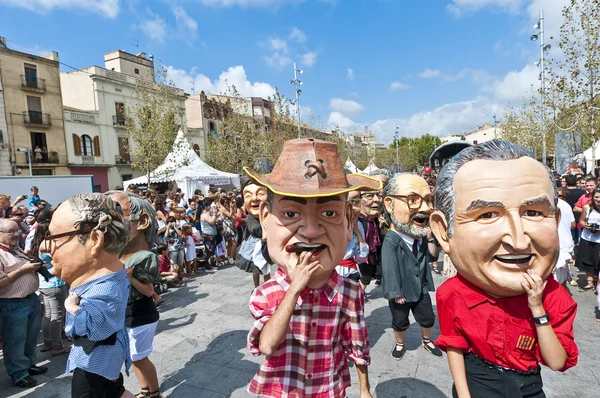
(525, 342)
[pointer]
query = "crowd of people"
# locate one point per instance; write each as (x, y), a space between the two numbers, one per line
(99, 259)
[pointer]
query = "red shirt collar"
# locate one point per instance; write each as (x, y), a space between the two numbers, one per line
(330, 288)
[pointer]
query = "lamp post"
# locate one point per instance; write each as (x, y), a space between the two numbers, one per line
(539, 26)
(396, 139)
(297, 83)
(28, 150)
(495, 124)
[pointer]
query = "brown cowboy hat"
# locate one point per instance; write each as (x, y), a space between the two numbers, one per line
(309, 168)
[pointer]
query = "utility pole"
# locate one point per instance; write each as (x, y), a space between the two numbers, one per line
(495, 124)
(396, 140)
(542, 65)
(297, 83)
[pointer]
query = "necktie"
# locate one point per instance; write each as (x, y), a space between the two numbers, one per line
(415, 247)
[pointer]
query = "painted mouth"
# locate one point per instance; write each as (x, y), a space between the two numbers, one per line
(420, 219)
(520, 260)
(299, 247)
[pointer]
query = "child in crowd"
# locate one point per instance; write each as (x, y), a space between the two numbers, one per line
(190, 249)
(167, 274)
(174, 237)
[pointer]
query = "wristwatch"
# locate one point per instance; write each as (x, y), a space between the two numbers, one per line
(541, 320)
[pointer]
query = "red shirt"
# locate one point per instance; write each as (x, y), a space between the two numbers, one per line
(165, 264)
(501, 330)
(326, 328)
(585, 199)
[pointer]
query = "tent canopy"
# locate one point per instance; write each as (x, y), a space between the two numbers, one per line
(184, 166)
(370, 168)
(351, 166)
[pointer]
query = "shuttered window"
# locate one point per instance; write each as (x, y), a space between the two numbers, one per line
(76, 145)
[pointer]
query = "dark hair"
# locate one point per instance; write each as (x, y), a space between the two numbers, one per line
(161, 248)
(591, 178)
(570, 180)
(171, 219)
(43, 220)
(206, 203)
(239, 202)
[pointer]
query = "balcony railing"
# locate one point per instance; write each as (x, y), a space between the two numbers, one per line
(37, 119)
(45, 158)
(36, 84)
(88, 159)
(122, 159)
(119, 120)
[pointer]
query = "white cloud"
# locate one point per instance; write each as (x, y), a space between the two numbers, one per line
(309, 58)
(107, 8)
(337, 119)
(278, 44)
(398, 86)
(186, 24)
(429, 73)
(515, 84)
(460, 7)
(155, 28)
(234, 76)
(258, 3)
(297, 35)
(350, 74)
(346, 107)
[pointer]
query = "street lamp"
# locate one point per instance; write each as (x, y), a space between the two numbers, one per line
(544, 48)
(297, 83)
(396, 139)
(495, 124)
(28, 150)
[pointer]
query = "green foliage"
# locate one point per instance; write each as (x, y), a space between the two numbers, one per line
(152, 122)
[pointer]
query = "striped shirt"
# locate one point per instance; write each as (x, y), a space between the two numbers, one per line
(23, 286)
(326, 328)
(103, 302)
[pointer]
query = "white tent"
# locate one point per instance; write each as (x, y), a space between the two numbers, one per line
(351, 166)
(184, 167)
(588, 156)
(371, 167)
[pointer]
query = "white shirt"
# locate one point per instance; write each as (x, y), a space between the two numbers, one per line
(408, 240)
(565, 238)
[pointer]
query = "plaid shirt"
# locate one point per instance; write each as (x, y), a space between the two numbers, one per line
(326, 328)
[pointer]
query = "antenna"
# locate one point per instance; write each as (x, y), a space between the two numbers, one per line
(135, 42)
(193, 88)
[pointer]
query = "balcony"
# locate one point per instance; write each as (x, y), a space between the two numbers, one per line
(37, 119)
(122, 159)
(88, 159)
(45, 158)
(119, 121)
(36, 84)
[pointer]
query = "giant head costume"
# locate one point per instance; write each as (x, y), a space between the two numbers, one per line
(307, 207)
(140, 214)
(496, 216)
(407, 204)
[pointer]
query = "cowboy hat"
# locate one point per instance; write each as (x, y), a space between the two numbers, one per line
(309, 168)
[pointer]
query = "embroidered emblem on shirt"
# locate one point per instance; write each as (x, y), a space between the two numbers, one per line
(525, 342)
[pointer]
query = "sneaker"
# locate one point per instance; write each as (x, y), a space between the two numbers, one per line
(60, 351)
(37, 370)
(431, 348)
(398, 351)
(27, 382)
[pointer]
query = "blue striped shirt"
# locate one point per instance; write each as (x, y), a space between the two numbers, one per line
(103, 302)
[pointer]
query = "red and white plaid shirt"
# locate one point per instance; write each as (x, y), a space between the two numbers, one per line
(326, 328)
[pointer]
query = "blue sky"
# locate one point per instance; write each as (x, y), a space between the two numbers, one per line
(429, 66)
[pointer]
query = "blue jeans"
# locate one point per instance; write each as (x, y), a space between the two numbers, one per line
(21, 322)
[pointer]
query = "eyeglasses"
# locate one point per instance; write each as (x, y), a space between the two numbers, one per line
(370, 195)
(415, 201)
(13, 232)
(83, 231)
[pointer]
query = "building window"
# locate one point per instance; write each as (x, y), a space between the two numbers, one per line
(31, 75)
(136, 71)
(120, 112)
(34, 108)
(86, 146)
(39, 148)
(197, 149)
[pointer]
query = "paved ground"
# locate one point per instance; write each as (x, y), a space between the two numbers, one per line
(200, 349)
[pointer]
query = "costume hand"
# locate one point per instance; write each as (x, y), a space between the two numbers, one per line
(400, 300)
(72, 303)
(30, 266)
(301, 272)
(534, 286)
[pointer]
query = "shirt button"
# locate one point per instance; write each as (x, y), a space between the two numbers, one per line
(311, 349)
(314, 324)
(316, 300)
(309, 376)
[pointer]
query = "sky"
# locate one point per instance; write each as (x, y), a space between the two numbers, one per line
(429, 66)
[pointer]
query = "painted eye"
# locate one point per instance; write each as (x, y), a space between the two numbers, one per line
(488, 216)
(291, 214)
(329, 214)
(533, 213)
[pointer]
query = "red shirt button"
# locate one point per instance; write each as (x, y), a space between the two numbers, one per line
(316, 300)
(311, 349)
(309, 376)
(314, 324)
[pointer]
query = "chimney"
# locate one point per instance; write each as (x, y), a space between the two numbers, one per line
(3, 42)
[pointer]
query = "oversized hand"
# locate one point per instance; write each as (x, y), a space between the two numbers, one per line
(301, 272)
(400, 300)
(534, 286)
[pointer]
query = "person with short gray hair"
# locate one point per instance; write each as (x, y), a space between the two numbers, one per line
(85, 237)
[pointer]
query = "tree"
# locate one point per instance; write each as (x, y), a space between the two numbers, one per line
(152, 123)
(576, 80)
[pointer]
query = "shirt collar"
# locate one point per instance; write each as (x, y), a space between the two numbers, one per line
(117, 276)
(330, 288)
(407, 239)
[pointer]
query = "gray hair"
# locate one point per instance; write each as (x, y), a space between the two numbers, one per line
(390, 187)
(139, 206)
(444, 195)
(379, 172)
(102, 214)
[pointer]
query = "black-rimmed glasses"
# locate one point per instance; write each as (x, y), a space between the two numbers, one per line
(83, 231)
(414, 201)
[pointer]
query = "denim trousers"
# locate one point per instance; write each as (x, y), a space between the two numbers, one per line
(21, 323)
(54, 313)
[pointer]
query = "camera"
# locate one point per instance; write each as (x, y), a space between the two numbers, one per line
(594, 227)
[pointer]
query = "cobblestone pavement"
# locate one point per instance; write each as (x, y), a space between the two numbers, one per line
(199, 349)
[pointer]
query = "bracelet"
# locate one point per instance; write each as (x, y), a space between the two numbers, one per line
(541, 320)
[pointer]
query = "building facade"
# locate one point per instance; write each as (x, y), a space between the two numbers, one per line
(485, 132)
(33, 112)
(96, 100)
